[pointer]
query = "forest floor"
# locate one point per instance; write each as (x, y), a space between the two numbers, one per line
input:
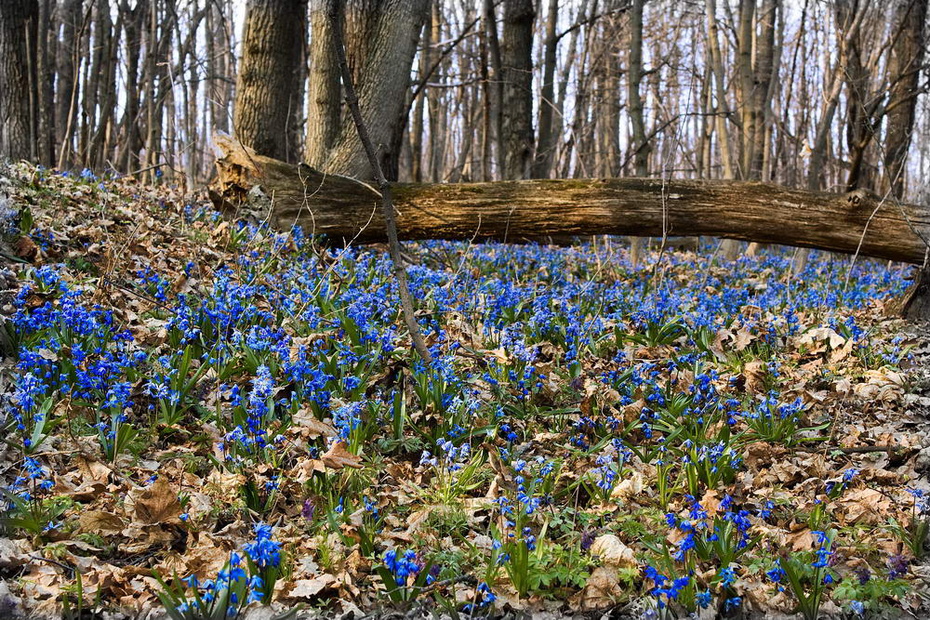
(206, 418)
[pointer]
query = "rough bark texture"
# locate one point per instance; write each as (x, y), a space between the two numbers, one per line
(268, 90)
(381, 41)
(907, 56)
(15, 130)
(345, 209)
(517, 74)
(545, 147)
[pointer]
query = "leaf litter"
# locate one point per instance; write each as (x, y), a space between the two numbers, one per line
(594, 438)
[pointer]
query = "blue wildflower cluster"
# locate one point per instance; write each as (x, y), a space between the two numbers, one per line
(403, 566)
(246, 578)
(557, 375)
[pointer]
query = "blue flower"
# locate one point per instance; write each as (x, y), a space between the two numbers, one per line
(263, 551)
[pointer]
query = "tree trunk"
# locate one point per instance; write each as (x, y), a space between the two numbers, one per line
(730, 247)
(346, 210)
(68, 15)
(640, 144)
(495, 90)
(381, 41)
(45, 56)
(517, 67)
(904, 70)
(269, 90)
(15, 124)
(545, 147)
(417, 129)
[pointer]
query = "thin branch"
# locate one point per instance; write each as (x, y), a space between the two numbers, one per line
(387, 201)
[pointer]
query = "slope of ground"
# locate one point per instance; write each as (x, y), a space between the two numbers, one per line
(204, 417)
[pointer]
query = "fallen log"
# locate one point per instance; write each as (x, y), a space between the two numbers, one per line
(346, 210)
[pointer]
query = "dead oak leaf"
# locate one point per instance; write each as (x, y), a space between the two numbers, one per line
(866, 506)
(100, 522)
(338, 457)
(309, 589)
(156, 504)
(612, 552)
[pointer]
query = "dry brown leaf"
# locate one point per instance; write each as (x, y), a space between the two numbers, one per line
(308, 589)
(157, 503)
(308, 425)
(338, 457)
(813, 337)
(630, 487)
(866, 506)
(755, 372)
(95, 470)
(801, 540)
(100, 522)
(613, 552)
(742, 339)
(601, 590)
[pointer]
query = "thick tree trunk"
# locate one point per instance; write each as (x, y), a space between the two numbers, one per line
(907, 55)
(517, 110)
(15, 123)
(345, 210)
(269, 92)
(381, 41)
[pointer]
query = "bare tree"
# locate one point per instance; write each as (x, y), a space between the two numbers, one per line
(269, 90)
(905, 66)
(545, 147)
(517, 75)
(17, 17)
(381, 40)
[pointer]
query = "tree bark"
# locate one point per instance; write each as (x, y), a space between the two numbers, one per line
(381, 41)
(15, 124)
(905, 66)
(495, 90)
(45, 56)
(545, 147)
(640, 144)
(345, 209)
(517, 67)
(268, 93)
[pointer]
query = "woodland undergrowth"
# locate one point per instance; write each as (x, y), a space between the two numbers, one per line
(204, 417)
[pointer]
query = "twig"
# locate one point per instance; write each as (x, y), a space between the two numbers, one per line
(891, 450)
(387, 202)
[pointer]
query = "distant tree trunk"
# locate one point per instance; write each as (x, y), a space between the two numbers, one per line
(269, 90)
(381, 41)
(729, 247)
(905, 66)
(417, 130)
(756, 60)
(517, 65)
(219, 65)
(438, 113)
(45, 75)
(130, 127)
(849, 20)
(15, 125)
(640, 145)
(545, 147)
(68, 16)
(495, 94)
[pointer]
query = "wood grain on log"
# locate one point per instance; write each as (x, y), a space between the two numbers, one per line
(345, 209)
